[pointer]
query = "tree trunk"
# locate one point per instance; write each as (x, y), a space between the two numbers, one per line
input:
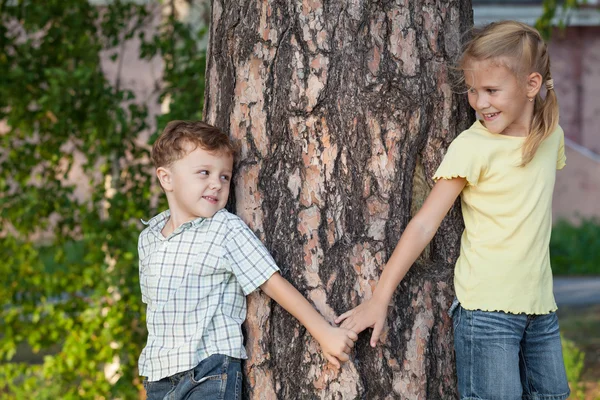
(342, 111)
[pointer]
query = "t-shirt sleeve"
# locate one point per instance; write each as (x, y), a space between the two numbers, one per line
(561, 159)
(249, 260)
(461, 160)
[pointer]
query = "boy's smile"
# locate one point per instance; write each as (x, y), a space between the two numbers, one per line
(197, 185)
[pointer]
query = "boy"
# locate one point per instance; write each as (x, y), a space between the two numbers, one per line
(197, 264)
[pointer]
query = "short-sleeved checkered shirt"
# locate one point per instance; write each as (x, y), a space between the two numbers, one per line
(195, 283)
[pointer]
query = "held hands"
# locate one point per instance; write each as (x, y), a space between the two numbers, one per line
(337, 343)
(369, 314)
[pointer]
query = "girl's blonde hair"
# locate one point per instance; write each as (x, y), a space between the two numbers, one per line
(522, 50)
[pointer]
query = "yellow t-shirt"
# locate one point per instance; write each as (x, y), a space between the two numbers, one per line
(504, 262)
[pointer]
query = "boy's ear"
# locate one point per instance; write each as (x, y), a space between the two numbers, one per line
(534, 84)
(164, 177)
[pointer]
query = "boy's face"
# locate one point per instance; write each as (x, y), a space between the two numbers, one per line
(197, 185)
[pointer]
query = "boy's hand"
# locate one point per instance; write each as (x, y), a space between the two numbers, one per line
(369, 314)
(336, 344)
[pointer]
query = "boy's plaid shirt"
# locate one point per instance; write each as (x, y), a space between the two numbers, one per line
(195, 284)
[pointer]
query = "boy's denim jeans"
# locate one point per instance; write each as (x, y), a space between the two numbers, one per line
(508, 356)
(217, 377)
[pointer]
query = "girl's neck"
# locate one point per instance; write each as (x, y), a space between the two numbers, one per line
(517, 130)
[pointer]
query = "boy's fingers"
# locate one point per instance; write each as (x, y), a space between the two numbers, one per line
(332, 360)
(352, 335)
(349, 343)
(343, 357)
(376, 333)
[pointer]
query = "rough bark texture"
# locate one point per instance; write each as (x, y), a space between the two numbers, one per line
(342, 111)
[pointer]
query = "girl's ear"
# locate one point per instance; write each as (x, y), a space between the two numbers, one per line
(164, 177)
(533, 84)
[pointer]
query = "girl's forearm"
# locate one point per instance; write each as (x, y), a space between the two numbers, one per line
(409, 247)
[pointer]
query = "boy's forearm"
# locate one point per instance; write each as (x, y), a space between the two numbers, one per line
(288, 297)
(411, 245)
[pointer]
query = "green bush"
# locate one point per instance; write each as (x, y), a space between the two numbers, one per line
(575, 248)
(574, 359)
(70, 276)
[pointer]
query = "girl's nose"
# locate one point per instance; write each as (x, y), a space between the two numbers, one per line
(482, 102)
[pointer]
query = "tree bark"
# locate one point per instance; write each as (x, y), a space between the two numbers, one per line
(342, 110)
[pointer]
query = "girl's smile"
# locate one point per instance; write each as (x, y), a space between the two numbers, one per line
(498, 97)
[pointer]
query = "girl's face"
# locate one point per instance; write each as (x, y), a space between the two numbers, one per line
(498, 97)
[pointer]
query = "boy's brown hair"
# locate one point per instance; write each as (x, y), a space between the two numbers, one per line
(171, 144)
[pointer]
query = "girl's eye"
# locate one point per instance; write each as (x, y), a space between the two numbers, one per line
(492, 91)
(225, 177)
(471, 91)
(203, 172)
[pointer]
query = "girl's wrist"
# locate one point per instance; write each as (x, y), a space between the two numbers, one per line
(379, 299)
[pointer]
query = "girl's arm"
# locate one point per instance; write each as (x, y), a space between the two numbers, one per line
(418, 233)
(336, 343)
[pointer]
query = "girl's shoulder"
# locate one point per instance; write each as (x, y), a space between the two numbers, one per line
(471, 137)
(475, 131)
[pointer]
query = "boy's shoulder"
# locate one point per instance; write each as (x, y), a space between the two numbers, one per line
(228, 221)
(222, 222)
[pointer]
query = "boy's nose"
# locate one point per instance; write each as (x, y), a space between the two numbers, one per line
(215, 184)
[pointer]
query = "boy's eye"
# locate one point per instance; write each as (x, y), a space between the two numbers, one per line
(203, 172)
(225, 177)
(492, 91)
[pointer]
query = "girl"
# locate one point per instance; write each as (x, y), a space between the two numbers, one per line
(506, 335)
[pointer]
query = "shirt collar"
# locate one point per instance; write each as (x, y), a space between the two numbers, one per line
(158, 222)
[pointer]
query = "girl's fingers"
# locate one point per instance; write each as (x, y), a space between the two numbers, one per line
(347, 324)
(344, 316)
(376, 333)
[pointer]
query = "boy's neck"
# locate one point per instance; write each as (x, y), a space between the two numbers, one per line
(174, 222)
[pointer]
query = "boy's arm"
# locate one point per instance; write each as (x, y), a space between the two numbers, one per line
(336, 343)
(418, 233)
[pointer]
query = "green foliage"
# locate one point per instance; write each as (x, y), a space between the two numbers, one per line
(575, 249)
(551, 8)
(574, 359)
(70, 264)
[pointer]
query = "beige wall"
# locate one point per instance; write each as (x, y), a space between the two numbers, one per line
(577, 189)
(575, 57)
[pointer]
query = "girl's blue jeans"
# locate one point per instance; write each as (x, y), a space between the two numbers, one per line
(508, 356)
(217, 377)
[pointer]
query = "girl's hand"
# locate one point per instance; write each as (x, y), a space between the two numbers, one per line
(370, 314)
(337, 343)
